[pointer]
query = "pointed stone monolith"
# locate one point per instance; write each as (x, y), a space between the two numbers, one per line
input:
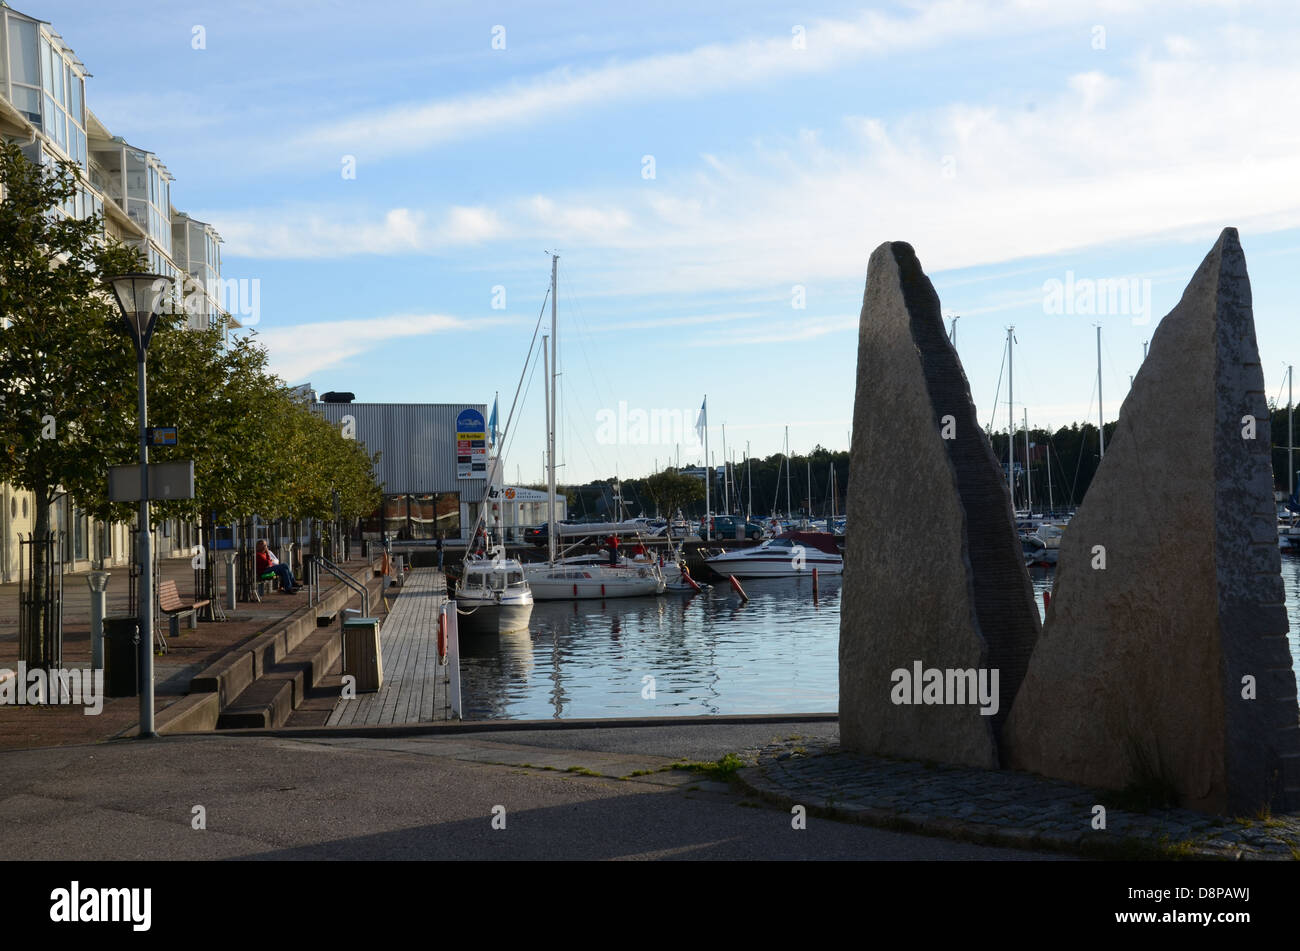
(1164, 666)
(934, 578)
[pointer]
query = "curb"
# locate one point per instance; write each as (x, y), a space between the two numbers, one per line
(512, 726)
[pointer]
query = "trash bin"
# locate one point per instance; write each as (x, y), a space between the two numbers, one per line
(122, 656)
(361, 653)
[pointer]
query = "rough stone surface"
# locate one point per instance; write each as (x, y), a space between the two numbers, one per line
(926, 508)
(1137, 679)
(1002, 807)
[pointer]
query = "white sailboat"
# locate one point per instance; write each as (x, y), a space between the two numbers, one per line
(555, 580)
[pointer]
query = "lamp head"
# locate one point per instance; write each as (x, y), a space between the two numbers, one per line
(141, 298)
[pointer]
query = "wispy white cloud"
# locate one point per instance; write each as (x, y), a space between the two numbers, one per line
(1175, 147)
(299, 350)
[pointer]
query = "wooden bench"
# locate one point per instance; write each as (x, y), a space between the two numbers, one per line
(169, 602)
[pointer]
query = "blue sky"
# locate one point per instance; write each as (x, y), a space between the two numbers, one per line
(1012, 144)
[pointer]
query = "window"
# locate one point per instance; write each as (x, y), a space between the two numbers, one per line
(22, 52)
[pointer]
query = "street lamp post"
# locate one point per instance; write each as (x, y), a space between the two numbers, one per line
(140, 298)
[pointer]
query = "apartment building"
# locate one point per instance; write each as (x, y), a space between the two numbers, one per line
(44, 110)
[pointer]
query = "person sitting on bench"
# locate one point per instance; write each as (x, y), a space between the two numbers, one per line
(267, 562)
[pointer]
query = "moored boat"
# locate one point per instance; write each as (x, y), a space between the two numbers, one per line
(493, 597)
(788, 555)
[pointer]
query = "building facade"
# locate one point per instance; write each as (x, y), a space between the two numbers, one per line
(44, 110)
(423, 467)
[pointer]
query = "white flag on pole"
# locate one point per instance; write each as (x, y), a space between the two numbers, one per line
(703, 419)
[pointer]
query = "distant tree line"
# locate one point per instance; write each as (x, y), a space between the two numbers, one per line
(1073, 451)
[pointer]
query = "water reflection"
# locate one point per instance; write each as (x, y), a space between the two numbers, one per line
(709, 653)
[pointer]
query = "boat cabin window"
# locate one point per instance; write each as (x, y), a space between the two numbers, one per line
(515, 578)
(779, 543)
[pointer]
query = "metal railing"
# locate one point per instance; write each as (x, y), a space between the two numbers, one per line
(320, 561)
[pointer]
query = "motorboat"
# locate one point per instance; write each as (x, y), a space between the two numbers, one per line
(493, 596)
(568, 582)
(788, 555)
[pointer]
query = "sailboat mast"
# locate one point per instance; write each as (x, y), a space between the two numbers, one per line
(810, 511)
(787, 472)
(708, 472)
(1290, 438)
(1101, 417)
(1011, 425)
(552, 530)
(1051, 506)
(749, 476)
(726, 494)
(1029, 483)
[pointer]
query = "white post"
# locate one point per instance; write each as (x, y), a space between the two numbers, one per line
(1290, 438)
(229, 558)
(453, 660)
(98, 582)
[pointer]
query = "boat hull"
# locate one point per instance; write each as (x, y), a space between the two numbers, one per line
(772, 566)
(592, 583)
(490, 617)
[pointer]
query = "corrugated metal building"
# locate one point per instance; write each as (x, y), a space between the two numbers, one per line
(417, 465)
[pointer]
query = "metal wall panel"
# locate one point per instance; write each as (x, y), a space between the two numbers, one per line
(417, 442)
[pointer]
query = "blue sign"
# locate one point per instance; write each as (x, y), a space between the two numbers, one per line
(470, 421)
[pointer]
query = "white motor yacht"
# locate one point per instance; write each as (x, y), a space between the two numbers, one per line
(493, 596)
(787, 555)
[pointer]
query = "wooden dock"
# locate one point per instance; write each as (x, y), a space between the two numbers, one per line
(415, 685)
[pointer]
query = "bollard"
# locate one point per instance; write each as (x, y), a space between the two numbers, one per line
(98, 582)
(229, 558)
(735, 585)
(814, 582)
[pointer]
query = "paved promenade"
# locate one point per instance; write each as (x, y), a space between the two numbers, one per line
(415, 685)
(187, 655)
(568, 794)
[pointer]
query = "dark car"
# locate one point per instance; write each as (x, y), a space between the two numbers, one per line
(536, 536)
(725, 526)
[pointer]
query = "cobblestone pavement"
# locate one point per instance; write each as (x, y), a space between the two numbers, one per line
(1000, 807)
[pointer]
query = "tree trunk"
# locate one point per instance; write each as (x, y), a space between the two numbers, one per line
(37, 646)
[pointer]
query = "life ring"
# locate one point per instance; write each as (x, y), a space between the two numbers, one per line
(442, 635)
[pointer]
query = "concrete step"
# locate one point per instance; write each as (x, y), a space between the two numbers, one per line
(268, 701)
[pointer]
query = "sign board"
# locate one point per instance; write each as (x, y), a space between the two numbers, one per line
(471, 445)
(160, 435)
(514, 493)
(167, 480)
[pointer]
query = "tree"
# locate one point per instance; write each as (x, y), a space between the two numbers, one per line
(672, 490)
(66, 364)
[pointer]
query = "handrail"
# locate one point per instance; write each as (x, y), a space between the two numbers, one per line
(346, 579)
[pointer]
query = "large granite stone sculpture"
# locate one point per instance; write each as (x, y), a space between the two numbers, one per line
(934, 579)
(1164, 658)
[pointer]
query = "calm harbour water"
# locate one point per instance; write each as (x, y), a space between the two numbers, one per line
(779, 653)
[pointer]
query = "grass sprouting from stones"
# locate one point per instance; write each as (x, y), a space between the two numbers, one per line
(722, 770)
